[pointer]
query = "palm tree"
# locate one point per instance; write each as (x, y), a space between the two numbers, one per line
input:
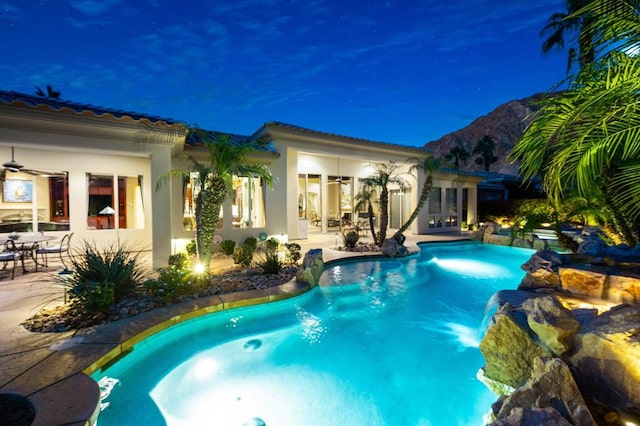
(214, 181)
(52, 94)
(569, 22)
(384, 176)
(428, 165)
(485, 149)
(457, 154)
(587, 138)
(366, 196)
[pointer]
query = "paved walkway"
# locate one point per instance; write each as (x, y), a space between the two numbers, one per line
(48, 368)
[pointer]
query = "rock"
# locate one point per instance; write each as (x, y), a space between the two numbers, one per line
(623, 253)
(311, 268)
(494, 386)
(551, 385)
(509, 349)
(542, 270)
(554, 324)
(624, 288)
(532, 417)
(583, 280)
(489, 229)
(593, 246)
(391, 248)
(607, 359)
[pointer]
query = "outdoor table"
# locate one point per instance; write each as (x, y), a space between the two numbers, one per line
(27, 243)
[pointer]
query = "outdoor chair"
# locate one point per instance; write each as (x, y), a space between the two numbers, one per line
(58, 249)
(11, 254)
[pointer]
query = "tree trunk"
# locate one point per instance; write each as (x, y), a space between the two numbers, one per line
(424, 196)
(384, 215)
(371, 223)
(207, 211)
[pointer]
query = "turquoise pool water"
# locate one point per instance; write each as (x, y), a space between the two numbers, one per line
(388, 342)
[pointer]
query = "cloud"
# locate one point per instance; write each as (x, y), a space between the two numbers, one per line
(11, 12)
(94, 7)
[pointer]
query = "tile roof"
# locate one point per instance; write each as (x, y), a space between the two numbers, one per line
(287, 126)
(54, 104)
(451, 170)
(197, 138)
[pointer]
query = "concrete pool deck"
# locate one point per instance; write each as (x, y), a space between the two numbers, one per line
(50, 369)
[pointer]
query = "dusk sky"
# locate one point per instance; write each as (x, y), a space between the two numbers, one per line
(405, 72)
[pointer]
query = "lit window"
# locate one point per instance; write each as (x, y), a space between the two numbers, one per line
(248, 207)
(191, 190)
(130, 205)
(101, 214)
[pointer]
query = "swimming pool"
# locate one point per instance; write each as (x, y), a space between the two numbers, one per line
(385, 342)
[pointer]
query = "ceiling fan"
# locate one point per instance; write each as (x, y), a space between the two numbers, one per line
(14, 166)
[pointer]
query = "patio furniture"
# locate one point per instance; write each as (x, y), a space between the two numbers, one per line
(314, 219)
(59, 249)
(11, 254)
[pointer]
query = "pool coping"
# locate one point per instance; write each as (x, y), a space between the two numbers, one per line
(59, 383)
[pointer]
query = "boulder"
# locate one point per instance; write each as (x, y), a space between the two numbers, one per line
(554, 324)
(391, 248)
(532, 417)
(583, 280)
(311, 269)
(508, 349)
(607, 359)
(623, 253)
(542, 270)
(624, 288)
(593, 246)
(489, 229)
(551, 386)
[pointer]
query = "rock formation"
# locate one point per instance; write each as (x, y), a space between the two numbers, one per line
(555, 361)
(311, 269)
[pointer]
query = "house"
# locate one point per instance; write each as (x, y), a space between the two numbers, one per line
(93, 171)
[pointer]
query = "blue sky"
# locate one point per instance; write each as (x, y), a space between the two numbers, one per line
(405, 72)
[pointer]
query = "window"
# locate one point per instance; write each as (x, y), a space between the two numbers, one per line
(248, 208)
(190, 191)
(435, 208)
(309, 206)
(103, 196)
(58, 203)
(451, 219)
(130, 205)
(340, 200)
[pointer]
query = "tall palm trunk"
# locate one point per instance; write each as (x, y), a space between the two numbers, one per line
(371, 223)
(207, 211)
(424, 196)
(384, 215)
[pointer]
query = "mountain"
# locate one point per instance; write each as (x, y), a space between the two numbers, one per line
(505, 125)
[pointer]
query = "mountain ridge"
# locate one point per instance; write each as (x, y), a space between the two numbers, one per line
(505, 124)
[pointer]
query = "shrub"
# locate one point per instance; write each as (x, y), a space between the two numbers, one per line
(252, 242)
(293, 252)
(270, 262)
(243, 255)
(91, 297)
(227, 247)
(172, 283)
(271, 244)
(350, 239)
(115, 266)
(191, 248)
(179, 260)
